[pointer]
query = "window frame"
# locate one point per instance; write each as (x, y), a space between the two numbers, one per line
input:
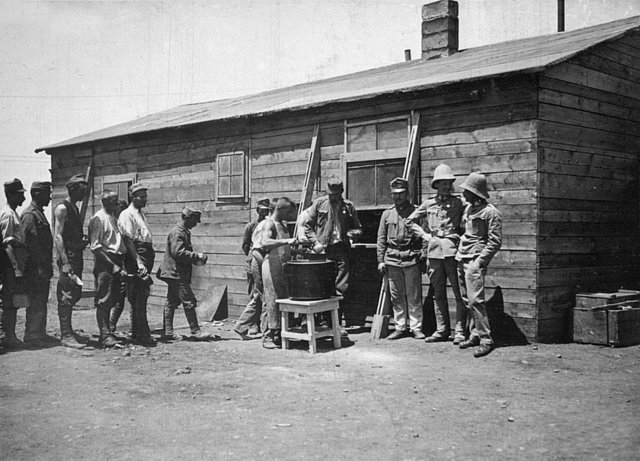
(375, 122)
(242, 197)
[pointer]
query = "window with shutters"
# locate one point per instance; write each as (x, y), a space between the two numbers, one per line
(231, 175)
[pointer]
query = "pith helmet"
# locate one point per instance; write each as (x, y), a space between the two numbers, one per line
(442, 172)
(476, 183)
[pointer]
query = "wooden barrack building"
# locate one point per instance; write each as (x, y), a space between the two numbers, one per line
(553, 121)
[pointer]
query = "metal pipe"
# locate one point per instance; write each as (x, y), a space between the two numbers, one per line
(560, 15)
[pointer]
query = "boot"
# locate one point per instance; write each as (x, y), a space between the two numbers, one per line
(106, 338)
(11, 341)
(67, 338)
(167, 330)
(114, 316)
(196, 333)
(32, 335)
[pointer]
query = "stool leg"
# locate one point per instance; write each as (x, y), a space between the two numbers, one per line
(284, 317)
(335, 325)
(311, 327)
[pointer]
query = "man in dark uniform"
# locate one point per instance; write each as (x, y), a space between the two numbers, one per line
(14, 259)
(139, 261)
(398, 254)
(69, 242)
(39, 268)
(176, 271)
(255, 302)
(330, 222)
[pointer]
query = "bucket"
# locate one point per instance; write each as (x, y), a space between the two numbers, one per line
(310, 279)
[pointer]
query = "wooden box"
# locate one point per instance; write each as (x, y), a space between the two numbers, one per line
(601, 299)
(613, 324)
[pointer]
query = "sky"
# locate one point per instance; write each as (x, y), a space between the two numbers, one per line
(72, 67)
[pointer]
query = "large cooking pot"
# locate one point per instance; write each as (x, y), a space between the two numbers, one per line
(311, 279)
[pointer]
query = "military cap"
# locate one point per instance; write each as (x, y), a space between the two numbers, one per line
(335, 185)
(75, 181)
(263, 204)
(189, 212)
(13, 186)
(137, 187)
(41, 185)
(399, 185)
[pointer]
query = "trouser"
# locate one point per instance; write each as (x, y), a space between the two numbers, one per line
(405, 288)
(439, 271)
(180, 292)
(138, 294)
(68, 293)
(340, 254)
(252, 313)
(274, 287)
(471, 279)
(8, 316)
(249, 276)
(36, 314)
(138, 289)
(118, 307)
(107, 292)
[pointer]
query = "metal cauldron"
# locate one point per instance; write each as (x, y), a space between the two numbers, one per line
(311, 278)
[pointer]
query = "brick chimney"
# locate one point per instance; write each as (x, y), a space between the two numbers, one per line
(439, 29)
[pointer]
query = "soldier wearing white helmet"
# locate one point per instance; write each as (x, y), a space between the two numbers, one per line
(479, 244)
(443, 215)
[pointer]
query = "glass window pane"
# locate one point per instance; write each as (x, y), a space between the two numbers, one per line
(223, 165)
(224, 186)
(393, 134)
(361, 184)
(237, 164)
(237, 185)
(386, 172)
(361, 138)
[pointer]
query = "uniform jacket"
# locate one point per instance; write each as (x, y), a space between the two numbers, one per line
(178, 256)
(397, 245)
(11, 234)
(442, 217)
(483, 233)
(317, 228)
(39, 241)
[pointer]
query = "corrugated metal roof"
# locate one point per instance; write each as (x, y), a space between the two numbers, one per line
(525, 55)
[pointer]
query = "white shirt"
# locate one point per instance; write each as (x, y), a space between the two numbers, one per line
(104, 233)
(133, 224)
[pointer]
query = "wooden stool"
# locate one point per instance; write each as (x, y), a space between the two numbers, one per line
(309, 308)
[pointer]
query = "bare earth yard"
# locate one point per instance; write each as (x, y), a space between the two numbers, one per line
(232, 399)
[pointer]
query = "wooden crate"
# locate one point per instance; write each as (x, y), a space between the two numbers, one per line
(615, 324)
(601, 299)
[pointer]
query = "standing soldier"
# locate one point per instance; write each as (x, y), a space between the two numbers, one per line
(443, 215)
(139, 261)
(253, 312)
(13, 245)
(330, 221)
(479, 244)
(108, 248)
(69, 242)
(275, 242)
(39, 268)
(255, 303)
(398, 254)
(176, 271)
(118, 307)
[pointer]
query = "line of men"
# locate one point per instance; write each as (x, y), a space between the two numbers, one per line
(122, 244)
(451, 239)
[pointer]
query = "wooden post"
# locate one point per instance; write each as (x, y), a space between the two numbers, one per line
(85, 201)
(311, 175)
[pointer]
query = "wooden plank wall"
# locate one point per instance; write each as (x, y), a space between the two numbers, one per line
(589, 139)
(495, 135)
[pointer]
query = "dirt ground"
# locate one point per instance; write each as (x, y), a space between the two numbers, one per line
(232, 399)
